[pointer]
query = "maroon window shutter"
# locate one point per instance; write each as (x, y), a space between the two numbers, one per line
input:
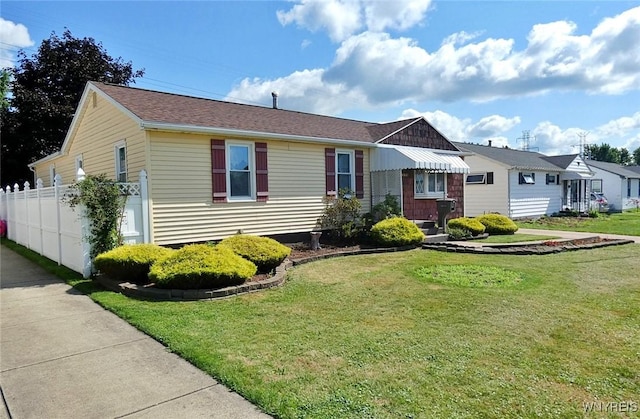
(330, 170)
(218, 171)
(359, 174)
(262, 173)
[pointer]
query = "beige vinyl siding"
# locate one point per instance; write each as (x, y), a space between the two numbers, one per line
(483, 199)
(180, 187)
(97, 131)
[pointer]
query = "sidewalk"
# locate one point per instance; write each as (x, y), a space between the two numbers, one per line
(576, 234)
(63, 356)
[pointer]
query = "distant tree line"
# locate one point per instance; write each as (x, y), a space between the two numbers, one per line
(41, 93)
(604, 152)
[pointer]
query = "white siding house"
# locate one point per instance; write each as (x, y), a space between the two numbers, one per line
(620, 185)
(523, 184)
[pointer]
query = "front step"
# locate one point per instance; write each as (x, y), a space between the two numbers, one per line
(436, 238)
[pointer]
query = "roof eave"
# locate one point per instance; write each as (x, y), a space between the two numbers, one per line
(163, 126)
(45, 159)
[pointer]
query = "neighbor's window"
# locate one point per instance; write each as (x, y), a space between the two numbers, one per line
(240, 165)
(596, 185)
(475, 178)
(344, 172)
(121, 162)
(551, 178)
(527, 178)
(429, 185)
(628, 188)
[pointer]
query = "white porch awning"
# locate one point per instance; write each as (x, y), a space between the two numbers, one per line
(402, 157)
(576, 175)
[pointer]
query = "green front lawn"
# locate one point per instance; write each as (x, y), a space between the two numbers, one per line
(387, 335)
(627, 223)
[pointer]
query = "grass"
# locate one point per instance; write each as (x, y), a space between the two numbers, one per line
(627, 223)
(371, 337)
(516, 238)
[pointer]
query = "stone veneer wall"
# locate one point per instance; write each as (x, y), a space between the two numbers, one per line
(425, 209)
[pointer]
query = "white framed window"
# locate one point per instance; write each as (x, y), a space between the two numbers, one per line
(241, 171)
(550, 179)
(429, 184)
(345, 175)
(52, 174)
(121, 161)
(596, 185)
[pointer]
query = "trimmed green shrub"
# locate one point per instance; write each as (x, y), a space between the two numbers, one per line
(266, 253)
(201, 266)
(497, 224)
(472, 225)
(130, 262)
(396, 231)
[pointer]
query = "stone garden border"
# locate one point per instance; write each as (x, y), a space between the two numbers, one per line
(533, 248)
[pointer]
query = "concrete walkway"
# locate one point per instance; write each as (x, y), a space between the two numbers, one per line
(576, 234)
(63, 356)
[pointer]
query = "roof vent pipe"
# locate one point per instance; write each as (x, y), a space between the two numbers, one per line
(490, 143)
(274, 95)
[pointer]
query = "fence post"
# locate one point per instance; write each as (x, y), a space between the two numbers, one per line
(87, 266)
(9, 228)
(27, 187)
(40, 185)
(16, 189)
(144, 196)
(57, 182)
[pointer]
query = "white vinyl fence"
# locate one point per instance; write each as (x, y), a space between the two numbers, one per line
(41, 220)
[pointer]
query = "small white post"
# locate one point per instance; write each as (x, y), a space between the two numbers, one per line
(40, 185)
(57, 182)
(144, 196)
(16, 189)
(26, 212)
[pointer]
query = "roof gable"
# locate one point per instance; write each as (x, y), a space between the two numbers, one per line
(419, 133)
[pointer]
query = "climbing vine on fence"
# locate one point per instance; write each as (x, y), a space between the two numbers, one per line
(104, 205)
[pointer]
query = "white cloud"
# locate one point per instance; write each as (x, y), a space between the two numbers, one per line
(342, 18)
(300, 91)
(620, 127)
(14, 36)
(482, 131)
(385, 71)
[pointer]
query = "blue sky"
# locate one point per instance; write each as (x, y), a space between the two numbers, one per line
(477, 70)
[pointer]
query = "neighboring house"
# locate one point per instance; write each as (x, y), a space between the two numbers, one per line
(620, 184)
(215, 167)
(523, 184)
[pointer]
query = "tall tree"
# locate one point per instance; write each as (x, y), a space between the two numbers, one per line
(46, 89)
(604, 152)
(636, 156)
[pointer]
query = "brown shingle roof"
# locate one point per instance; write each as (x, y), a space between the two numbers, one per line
(169, 108)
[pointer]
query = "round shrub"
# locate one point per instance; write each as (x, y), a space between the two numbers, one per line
(497, 224)
(266, 253)
(130, 262)
(200, 266)
(472, 225)
(396, 231)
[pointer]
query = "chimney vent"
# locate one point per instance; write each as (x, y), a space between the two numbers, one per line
(490, 142)
(274, 96)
